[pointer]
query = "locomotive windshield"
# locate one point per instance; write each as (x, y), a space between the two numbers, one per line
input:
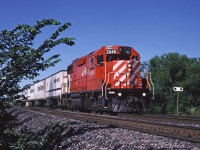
(117, 57)
(123, 53)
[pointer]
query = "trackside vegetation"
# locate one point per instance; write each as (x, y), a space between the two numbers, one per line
(21, 59)
(175, 70)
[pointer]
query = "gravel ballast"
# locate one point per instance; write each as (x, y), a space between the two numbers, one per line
(94, 136)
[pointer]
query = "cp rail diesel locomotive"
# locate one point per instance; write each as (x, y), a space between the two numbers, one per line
(108, 79)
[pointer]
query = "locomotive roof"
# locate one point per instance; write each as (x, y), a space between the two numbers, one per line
(103, 47)
(82, 59)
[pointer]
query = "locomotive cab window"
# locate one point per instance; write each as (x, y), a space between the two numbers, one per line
(70, 69)
(124, 57)
(112, 57)
(117, 57)
(99, 60)
(92, 62)
(135, 58)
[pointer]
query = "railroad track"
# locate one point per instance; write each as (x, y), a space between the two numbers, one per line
(191, 134)
(179, 120)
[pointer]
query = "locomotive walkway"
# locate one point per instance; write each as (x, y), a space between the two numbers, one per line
(187, 133)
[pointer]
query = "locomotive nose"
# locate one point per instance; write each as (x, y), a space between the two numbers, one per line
(121, 73)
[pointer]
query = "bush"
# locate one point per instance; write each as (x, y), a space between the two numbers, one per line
(8, 135)
(25, 139)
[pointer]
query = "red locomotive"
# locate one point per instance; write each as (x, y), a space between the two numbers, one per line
(108, 79)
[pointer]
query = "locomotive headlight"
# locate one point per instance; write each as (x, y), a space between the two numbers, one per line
(144, 94)
(129, 69)
(119, 94)
(111, 92)
(129, 65)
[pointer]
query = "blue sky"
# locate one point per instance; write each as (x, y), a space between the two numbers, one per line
(152, 27)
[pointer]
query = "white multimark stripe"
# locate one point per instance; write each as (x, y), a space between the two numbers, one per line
(121, 79)
(135, 64)
(132, 77)
(120, 70)
(117, 65)
(136, 81)
(127, 82)
(137, 70)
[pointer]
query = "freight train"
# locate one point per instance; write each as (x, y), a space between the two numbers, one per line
(108, 79)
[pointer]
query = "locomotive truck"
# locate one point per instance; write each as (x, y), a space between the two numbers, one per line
(108, 79)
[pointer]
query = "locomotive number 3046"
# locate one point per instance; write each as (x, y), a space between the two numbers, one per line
(111, 51)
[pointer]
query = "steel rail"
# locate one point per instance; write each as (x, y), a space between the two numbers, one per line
(163, 118)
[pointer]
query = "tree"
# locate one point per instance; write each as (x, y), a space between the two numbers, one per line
(19, 59)
(192, 84)
(171, 70)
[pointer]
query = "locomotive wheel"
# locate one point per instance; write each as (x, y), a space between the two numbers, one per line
(145, 106)
(68, 105)
(113, 113)
(134, 104)
(97, 105)
(101, 112)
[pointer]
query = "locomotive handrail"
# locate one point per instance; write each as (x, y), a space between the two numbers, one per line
(104, 79)
(107, 82)
(152, 85)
